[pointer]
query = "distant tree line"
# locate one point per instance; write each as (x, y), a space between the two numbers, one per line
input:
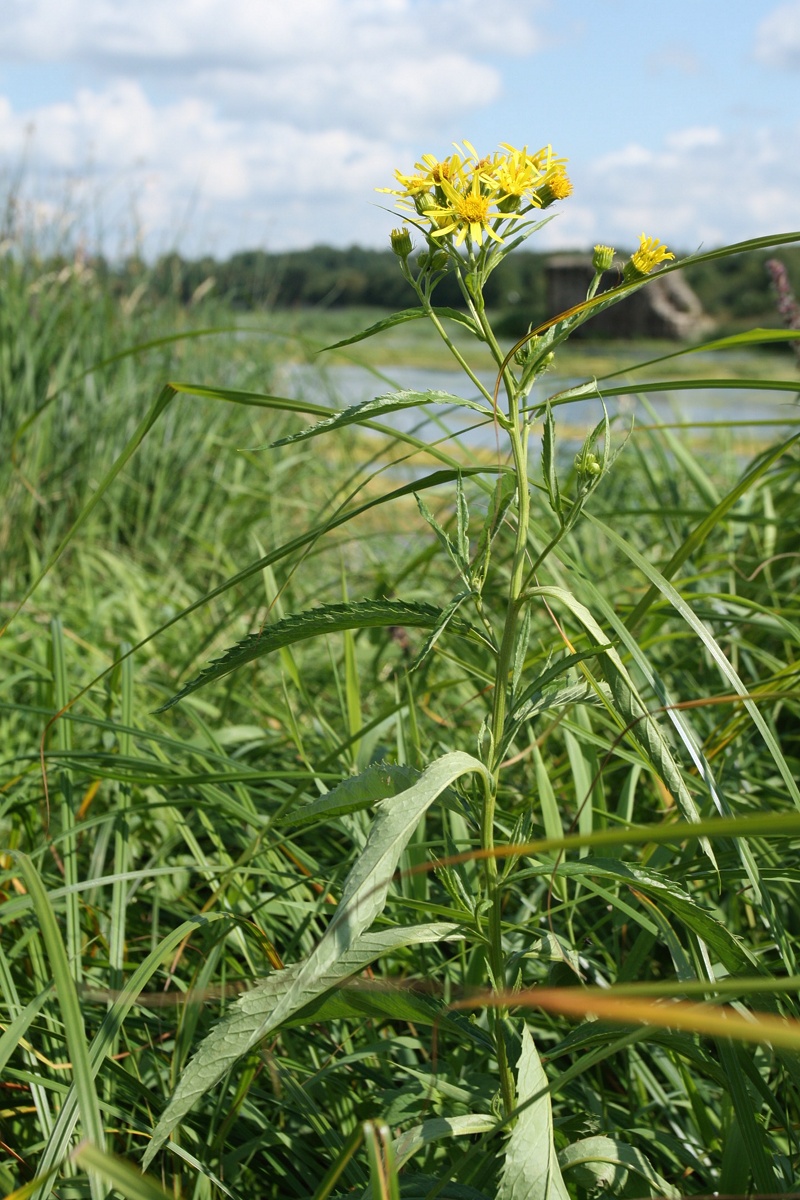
(732, 289)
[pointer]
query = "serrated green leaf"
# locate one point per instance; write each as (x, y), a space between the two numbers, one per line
(392, 402)
(443, 536)
(462, 521)
(531, 1170)
(250, 1018)
(400, 318)
(448, 612)
(504, 492)
(328, 618)
(341, 952)
(549, 462)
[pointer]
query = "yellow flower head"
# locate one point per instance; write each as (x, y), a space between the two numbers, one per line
(557, 187)
(649, 255)
(469, 212)
(518, 174)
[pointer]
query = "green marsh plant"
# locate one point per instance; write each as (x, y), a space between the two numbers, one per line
(558, 784)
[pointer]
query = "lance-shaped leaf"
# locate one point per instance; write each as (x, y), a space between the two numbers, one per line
(400, 318)
(328, 618)
(392, 402)
(531, 1170)
(341, 952)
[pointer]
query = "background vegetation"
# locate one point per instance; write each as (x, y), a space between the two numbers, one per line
(735, 290)
(156, 865)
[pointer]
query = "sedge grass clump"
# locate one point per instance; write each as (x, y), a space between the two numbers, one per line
(536, 769)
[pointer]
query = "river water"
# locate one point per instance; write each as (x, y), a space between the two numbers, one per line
(760, 415)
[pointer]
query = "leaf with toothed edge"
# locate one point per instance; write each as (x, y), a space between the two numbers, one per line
(400, 318)
(328, 618)
(392, 402)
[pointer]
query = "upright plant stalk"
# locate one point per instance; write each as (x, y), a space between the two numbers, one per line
(464, 205)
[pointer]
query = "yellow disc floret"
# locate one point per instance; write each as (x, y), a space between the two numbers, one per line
(469, 213)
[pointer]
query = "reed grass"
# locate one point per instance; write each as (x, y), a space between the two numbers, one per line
(220, 933)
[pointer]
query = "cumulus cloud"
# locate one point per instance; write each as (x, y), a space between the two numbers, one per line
(778, 38)
(233, 32)
(226, 123)
(264, 179)
(287, 114)
(700, 186)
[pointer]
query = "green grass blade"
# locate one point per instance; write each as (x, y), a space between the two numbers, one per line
(18, 1027)
(74, 1031)
(121, 1175)
(711, 644)
(141, 431)
(701, 532)
(102, 1044)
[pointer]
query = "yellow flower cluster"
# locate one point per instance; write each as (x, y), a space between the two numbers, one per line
(467, 196)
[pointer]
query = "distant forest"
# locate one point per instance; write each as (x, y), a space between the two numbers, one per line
(734, 290)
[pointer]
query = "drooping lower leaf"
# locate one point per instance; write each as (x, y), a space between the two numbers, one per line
(251, 1018)
(341, 952)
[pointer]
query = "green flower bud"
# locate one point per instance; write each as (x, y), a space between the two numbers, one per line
(401, 242)
(424, 202)
(602, 258)
(436, 260)
(587, 464)
(508, 204)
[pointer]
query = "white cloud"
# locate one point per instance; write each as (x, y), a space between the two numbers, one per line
(228, 123)
(778, 38)
(370, 65)
(700, 187)
(263, 179)
(261, 104)
(192, 35)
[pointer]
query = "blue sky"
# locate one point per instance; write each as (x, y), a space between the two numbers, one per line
(216, 125)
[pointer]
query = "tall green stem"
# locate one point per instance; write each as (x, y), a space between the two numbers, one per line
(519, 449)
(518, 434)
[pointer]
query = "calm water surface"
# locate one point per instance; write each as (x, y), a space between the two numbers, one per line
(764, 414)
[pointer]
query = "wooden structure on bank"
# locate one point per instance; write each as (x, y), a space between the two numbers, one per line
(666, 308)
